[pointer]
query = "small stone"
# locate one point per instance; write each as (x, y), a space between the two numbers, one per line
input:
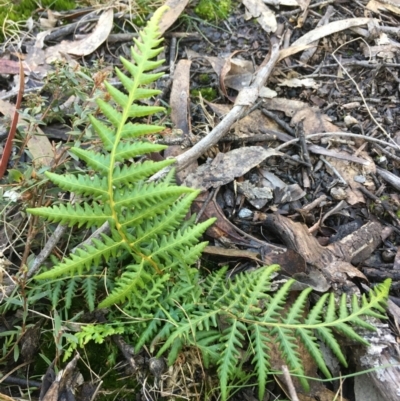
(157, 366)
(350, 120)
(338, 193)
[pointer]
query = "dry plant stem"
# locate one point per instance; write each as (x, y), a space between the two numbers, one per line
(224, 126)
(47, 249)
(289, 383)
(367, 138)
(7, 148)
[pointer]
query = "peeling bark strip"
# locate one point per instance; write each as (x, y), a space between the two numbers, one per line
(334, 260)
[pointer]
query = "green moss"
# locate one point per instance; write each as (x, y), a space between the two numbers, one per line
(207, 93)
(211, 10)
(204, 79)
(23, 9)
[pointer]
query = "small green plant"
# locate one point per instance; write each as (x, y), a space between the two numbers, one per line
(145, 263)
(207, 93)
(212, 10)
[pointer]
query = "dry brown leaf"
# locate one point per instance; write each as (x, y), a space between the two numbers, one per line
(39, 145)
(172, 14)
(226, 166)
(379, 6)
(99, 35)
(320, 32)
(265, 17)
(313, 120)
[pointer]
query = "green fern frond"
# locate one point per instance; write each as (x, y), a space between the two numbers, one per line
(85, 185)
(147, 220)
(96, 161)
(252, 320)
(80, 215)
(132, 280)
(136, 172)
(85, 258)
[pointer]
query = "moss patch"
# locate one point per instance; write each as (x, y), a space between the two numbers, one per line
(211, 10)
(207, 93)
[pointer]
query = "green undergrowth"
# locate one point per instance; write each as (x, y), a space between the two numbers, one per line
(213, 10)
(140, 281)
(12, 12)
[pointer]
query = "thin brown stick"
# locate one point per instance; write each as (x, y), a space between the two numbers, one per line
(289, 383)
(234, 115)
(8, 146)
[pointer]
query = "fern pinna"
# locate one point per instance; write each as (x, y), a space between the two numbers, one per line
(146, 219)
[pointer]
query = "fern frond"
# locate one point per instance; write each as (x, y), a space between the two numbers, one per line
(85, 185)
(145, 194)
(85, 215)
(83, 259)
(89, 288)
(132, 280)
(96, 161)
(127, 150)
(259, 342)
(136, 172)
(233, 340)
(130, 130)
(165, 252)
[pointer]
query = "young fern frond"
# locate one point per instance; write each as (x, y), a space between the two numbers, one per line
(147, 220)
